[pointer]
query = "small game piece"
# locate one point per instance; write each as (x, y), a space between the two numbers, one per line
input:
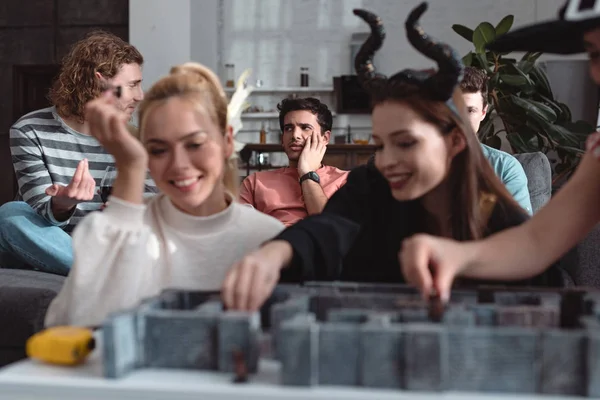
(241, 371)
(436, 308)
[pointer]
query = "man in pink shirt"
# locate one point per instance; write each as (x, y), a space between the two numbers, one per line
(302, 189)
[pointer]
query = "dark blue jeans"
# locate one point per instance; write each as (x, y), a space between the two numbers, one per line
(29, 241)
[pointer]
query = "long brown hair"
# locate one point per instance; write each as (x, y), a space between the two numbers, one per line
(201, 87)
(470, 176)
(436, 97)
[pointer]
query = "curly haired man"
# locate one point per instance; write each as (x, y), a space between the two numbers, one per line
(58, 164)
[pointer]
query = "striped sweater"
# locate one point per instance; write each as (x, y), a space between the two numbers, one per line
(45, 150)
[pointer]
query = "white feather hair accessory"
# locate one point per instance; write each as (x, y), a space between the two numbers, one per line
(237, 105)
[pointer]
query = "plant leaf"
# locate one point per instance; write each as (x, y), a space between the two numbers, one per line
(566, 112)
(580, 127)
(468, 59)
(507, 61)
(483, 34)
(531, 138)
(514, 80)
(573, 150)
(541, 81)
(531, 56)
(504, 25)
(463, 31)
(555, 106)
(494, 142)
(545, 108)
(534, 120)
(493, 82)
(483, 62)
(541, 127)
(515, 69)
(517, 143)
(486, 130)
(563, 136)
(535, 108)
(525, 66)
(558, 136)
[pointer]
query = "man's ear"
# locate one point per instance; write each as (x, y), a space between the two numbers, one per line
(484, 111)
(327, 136)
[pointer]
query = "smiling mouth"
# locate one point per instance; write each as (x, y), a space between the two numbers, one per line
(398, 181)
(185, 184)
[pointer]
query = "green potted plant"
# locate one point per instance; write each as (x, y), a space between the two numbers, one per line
(521, 97)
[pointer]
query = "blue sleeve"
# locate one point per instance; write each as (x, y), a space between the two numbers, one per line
(515, 180)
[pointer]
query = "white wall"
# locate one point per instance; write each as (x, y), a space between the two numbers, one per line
(205, 37)
(276, 37)
(161, 30)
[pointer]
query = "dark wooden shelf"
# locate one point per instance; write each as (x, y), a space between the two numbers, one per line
(343, 156)
(274, 148)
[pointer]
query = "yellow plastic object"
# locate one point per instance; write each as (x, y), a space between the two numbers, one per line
(63, 345)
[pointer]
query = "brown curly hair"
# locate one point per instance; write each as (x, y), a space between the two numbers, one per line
(76, 83)
(475, 80)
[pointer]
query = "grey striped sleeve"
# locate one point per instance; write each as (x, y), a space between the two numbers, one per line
(32, 174)
(46, 151)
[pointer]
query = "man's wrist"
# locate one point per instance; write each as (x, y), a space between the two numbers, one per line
(310, 176)
(61, 212)
(302, 172)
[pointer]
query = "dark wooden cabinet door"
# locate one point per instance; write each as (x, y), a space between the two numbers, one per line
(30, 87)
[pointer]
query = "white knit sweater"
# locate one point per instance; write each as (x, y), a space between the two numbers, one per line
(130, 252)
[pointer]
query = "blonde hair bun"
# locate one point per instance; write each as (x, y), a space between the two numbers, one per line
(201, 73)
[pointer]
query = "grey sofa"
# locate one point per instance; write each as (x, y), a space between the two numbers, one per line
(539, 177)
(24, 299)
(582, 262)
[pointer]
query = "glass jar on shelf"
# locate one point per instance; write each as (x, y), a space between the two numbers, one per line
(263, 134)
(229, 75)
(304, 76)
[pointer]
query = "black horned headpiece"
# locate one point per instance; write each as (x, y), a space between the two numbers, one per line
(438, 86)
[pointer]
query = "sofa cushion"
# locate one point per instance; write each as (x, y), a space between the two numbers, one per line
(583, 261)
(539, 177)
(24, 299)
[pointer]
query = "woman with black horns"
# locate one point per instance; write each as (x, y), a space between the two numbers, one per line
(429, 175)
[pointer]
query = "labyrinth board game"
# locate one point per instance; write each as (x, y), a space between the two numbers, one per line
(488, 339)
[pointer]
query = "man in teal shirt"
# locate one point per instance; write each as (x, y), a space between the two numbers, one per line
(508, 168)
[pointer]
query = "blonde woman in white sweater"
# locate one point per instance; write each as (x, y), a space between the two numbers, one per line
(186, 237)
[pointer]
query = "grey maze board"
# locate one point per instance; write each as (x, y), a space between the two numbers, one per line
(490, 339)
